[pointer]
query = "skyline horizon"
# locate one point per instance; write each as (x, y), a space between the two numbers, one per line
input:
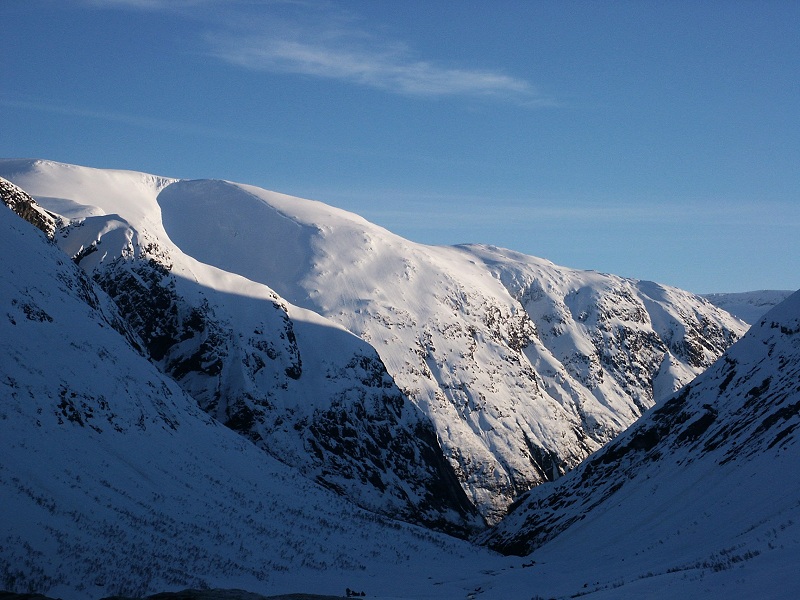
(454, 244)
(652, 141)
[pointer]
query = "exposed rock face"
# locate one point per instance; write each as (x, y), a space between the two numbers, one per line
(113, 481)
(25, 206)
(731, 424)
(360, 437)
(523, 368)
(333, 412)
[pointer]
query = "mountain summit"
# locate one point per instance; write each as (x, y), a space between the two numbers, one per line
(147, 393)
(113, 481)
(338, 346)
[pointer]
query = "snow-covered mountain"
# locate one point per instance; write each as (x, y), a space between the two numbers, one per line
(708, 479)
(748, 306)
(114, 481)
(516, 367)
(302, 388)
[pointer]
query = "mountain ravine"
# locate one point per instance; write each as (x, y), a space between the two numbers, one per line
(509, 367)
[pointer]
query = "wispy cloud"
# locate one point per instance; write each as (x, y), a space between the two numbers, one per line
(430, 211)
(354, 56)
(318, 39)
(151, 5)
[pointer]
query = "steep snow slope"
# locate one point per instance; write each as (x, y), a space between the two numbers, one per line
(706, 481)
(748, 306)
(523, 367)
(302, 388)
(113, 481)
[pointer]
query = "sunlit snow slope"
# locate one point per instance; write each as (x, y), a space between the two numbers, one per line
(113, 481)
(301, 387)
(707, 480)
(522, 367)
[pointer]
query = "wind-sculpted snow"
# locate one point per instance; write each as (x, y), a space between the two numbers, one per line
(710, 472)
(302, 388)
(523, 368)
(113, 481)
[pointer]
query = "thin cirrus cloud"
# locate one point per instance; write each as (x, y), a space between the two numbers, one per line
(146, 5)
(358, 58)
(329, 43)
(432, 211)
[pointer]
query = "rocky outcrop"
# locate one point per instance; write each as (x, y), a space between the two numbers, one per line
(359, 436)
(522, 367)
(26, 207)
(744, 409)
(341, 420)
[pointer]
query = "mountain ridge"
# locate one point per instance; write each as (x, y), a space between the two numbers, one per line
(119, 483)
(523, 368)
(237, 351)
(114, 481)
(748, 306)
(714, 458)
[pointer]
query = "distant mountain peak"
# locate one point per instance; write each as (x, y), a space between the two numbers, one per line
(748, 306)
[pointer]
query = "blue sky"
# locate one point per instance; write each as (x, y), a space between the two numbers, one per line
(656, 140)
